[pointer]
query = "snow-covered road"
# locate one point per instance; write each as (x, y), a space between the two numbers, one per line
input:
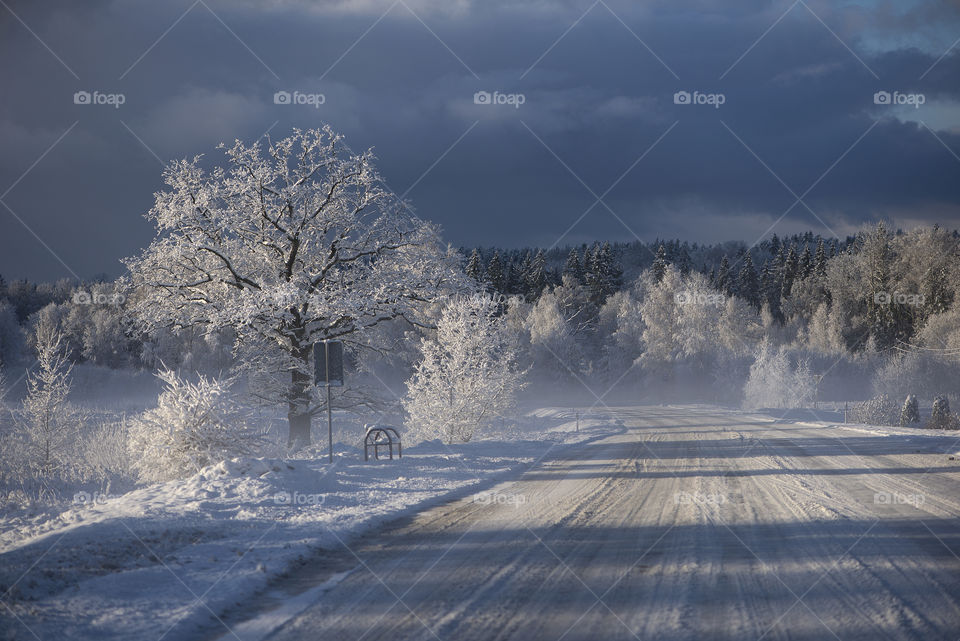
(693, 524)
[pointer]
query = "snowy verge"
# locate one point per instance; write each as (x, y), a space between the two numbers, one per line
(928, 440)
(166, 559)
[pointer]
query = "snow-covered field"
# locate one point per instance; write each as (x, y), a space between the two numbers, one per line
(165, 560)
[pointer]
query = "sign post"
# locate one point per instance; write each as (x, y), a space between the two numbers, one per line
(328, 369)
(329, 420)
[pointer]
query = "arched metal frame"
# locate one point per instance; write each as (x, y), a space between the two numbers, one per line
(381, 436)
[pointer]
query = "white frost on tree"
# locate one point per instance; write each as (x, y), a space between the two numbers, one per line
(195, 424)
(660, 325)
(468, 377)
(289, 243)
(553, 343)
(698, 309)
(775, 383)
(47, 424)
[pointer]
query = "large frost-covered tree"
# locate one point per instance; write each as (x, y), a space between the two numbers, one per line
(289, 243)
(469, 373)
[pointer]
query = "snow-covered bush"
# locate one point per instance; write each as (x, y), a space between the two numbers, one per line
(195, 424)
(774, 383)
(880, 410)
(940, 416)
(910, 412)
(106, 454)
(468, 376)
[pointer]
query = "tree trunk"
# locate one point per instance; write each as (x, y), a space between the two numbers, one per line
(299, 429)
(298, 414)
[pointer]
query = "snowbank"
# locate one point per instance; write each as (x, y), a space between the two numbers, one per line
(165, 559)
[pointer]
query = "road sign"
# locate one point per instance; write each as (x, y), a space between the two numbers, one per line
(328, 363)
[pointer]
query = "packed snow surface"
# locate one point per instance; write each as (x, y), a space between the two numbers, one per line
(167, 559)
(672, 523)
(692, 524)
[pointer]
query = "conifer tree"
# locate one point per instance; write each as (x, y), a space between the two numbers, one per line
(496, 274)
(474, 267)
(806, 263)
(660, 264)
(936, 295)
(573, 267)
(748, 285)
(790, 267)
(723, 279)
(881, 309)
(537, 276)
(820, 260)
(770, 288)
(775, 246)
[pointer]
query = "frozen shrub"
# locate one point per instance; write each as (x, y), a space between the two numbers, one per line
(910, 412)
(880, 410)
(106, 454)
(194, 425)
(940, 416)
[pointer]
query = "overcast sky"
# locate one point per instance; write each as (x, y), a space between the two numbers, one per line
(598, 149)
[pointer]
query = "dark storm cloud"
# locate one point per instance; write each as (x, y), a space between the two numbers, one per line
(796, 103)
